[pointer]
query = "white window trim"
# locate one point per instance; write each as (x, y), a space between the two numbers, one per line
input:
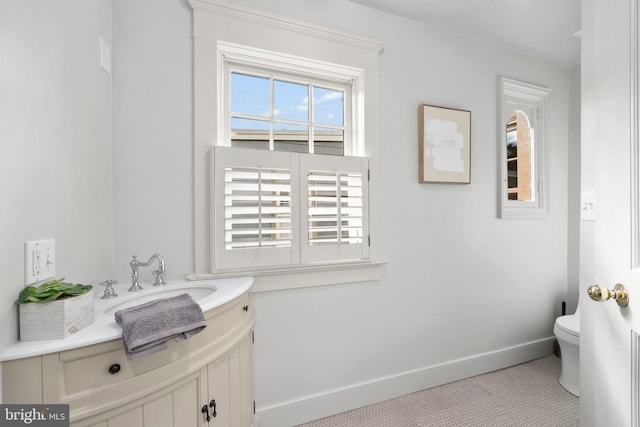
(218, 20)
(535, 101)
(233, 57)
(304, 276)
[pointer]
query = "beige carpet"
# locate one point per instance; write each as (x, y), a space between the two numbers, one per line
(526, 395)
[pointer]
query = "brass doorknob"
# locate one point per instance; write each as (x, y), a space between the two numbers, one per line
(618, 293)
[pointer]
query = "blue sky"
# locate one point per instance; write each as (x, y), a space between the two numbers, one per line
(250, 95)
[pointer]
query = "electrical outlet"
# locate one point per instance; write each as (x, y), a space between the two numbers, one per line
(36, 255)
(39, 260)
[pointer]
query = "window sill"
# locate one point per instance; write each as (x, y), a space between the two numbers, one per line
(282, 278)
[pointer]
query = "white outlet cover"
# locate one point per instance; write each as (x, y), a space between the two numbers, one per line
(39, 260)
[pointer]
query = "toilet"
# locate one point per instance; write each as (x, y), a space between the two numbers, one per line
(567, 331)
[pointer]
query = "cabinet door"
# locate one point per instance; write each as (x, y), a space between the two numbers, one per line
(219, 388)
(178, 408)
(231, 386)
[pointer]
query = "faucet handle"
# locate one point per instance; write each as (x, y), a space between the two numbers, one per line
(109, 292)
(159, 278)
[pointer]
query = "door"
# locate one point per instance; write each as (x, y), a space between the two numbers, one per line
(609, 245)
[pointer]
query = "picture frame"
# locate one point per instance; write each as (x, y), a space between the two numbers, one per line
(444, 153)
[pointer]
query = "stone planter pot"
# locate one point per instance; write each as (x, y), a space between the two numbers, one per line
(56, 319)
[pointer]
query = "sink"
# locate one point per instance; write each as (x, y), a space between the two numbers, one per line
(198, 293)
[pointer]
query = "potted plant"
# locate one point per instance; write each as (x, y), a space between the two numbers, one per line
(55, 309)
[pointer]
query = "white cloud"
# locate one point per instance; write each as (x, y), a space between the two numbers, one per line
(330, 96)
(304, 105)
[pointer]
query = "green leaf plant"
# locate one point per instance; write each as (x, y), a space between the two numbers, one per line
(51, 291)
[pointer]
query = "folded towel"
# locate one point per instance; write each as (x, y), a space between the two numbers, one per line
(146, 328)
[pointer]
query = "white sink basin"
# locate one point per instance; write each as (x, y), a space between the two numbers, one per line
(197, 291)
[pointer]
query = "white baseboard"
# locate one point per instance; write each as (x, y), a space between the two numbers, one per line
(333, 402)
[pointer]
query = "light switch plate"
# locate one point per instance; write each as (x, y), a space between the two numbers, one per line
(39, 260)
(588, 206)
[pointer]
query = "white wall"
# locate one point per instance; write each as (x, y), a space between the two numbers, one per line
(153, 135)
(460, 283)
(55, 134)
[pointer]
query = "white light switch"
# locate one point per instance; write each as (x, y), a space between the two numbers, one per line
(39, 260)
(588, 206)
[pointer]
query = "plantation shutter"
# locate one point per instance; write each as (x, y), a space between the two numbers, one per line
(254, 216)
(284, 209)
(257, 207)
(334, 208)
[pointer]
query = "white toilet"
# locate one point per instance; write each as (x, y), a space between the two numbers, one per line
(567, 331)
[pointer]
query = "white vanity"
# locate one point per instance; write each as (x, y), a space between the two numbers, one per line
(184, 385)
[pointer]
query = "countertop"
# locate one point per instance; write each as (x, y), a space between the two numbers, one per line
(104, 326)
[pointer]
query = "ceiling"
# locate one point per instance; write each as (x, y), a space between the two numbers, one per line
(543, 29)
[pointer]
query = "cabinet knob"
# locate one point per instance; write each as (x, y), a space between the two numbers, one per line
(114, 369)
(245, 308)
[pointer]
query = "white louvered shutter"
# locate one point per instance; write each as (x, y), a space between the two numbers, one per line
(254, 217)
(334, 207)
(286, 209)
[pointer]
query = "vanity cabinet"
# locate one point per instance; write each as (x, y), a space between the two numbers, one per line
(172, 387)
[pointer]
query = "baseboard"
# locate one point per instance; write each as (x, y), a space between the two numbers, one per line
(332, 402)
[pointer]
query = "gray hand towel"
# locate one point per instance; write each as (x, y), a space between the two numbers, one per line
(146, 328)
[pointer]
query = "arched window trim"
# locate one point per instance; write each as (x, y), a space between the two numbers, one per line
(534, 101)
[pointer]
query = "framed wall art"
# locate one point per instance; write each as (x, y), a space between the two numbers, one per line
(444, 145)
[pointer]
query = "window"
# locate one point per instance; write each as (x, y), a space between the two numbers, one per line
(285, 187)
(284, 113)
(523, 146)
(520, 149)
(277, 102)
(284, 192)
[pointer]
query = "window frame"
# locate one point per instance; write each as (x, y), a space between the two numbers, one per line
(273, 75)
(219, 23)
(534, 101)
(234, 57)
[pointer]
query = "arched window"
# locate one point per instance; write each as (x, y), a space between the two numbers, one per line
(520, 151)
(524, 149)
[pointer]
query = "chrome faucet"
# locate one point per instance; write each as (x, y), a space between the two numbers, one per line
(134, 263)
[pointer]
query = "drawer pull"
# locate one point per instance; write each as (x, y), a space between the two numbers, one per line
(245, 308)
(205, 410)
(114, 369)
(212, 404)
